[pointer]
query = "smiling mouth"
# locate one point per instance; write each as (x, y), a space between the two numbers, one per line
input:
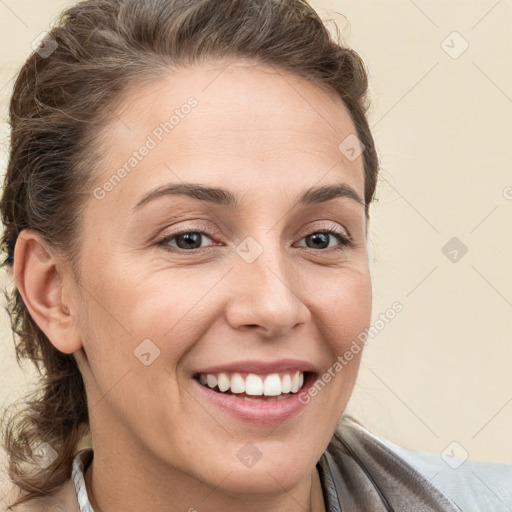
(254, 387)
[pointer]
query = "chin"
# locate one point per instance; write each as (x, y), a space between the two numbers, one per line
(273, 473)
(269, 480)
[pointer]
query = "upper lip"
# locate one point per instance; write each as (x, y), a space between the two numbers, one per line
(260, 367)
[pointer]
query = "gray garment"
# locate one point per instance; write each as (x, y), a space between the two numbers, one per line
(361, 472)
(364, 473)
(474, 486)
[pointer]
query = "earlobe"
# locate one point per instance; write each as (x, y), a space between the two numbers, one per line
(40, 279)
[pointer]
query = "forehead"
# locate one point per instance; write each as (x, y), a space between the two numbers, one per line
(257, 91)
(235, 122)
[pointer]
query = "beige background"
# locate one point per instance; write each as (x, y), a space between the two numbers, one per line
(440, 371)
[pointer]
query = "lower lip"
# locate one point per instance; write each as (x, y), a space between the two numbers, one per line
(264, 412)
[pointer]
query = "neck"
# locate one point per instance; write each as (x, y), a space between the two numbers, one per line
(124, 482)
(109, 493)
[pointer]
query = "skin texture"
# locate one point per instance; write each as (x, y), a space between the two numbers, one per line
(159, 445)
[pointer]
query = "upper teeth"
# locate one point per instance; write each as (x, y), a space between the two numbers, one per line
(268, 385)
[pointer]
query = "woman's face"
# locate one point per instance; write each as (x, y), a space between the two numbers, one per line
(254, 288)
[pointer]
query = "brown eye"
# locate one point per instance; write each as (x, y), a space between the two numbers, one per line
(185, 240)
(320, 239)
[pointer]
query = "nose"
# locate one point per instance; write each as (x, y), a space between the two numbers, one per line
(266, 295)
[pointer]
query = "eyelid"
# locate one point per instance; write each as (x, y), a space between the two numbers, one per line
(210, 229)
(207, 227)
(330, 226)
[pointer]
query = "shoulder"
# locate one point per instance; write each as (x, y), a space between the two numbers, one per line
(467, 482)
(453, 483)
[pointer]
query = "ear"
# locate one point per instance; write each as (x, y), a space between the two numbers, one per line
(43, 282)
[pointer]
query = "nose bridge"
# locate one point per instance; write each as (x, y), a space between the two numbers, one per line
(264, 290)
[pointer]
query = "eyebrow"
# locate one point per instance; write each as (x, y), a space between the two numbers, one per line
(227, 198)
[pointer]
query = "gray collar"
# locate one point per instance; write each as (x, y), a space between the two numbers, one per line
(360, 472)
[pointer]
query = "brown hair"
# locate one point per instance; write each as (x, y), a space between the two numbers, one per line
(62, 97)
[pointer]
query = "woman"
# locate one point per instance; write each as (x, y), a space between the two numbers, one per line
(186, 211)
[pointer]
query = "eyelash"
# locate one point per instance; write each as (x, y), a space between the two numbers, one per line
(345, 240)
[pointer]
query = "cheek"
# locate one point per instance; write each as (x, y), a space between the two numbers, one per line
(172, 309)
(343, 315)
(137, 329)
(344, 308)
